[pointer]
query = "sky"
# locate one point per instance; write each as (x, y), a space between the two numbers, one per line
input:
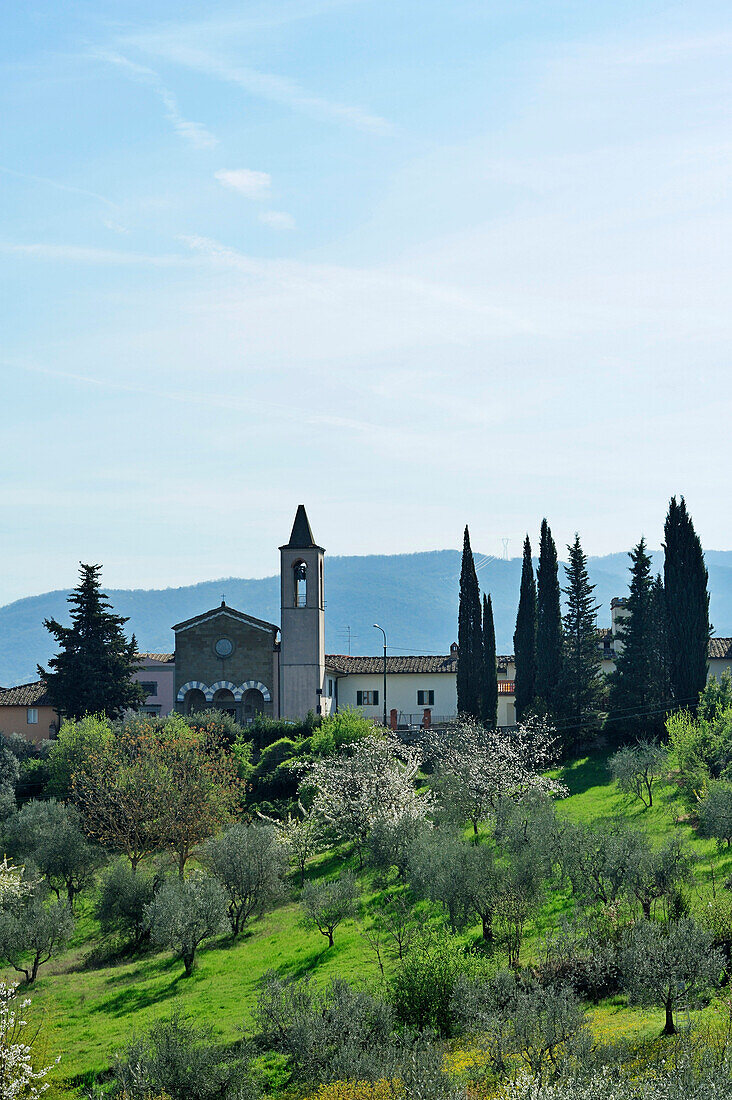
(415, 264)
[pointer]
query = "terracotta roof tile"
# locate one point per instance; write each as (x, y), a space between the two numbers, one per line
(163, 658)
(720, 647)
(25, 695)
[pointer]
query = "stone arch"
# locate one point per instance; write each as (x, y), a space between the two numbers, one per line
(189, 687)
(220, 685)
(259, 686)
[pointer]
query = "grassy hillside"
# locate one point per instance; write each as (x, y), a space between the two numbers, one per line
(89, 1009)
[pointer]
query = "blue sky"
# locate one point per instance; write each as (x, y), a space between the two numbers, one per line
(411, 263)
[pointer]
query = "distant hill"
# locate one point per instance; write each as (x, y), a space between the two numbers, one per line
(413, 596)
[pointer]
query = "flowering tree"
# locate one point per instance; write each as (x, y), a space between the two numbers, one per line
(12, 884)
(476, 767)
(300, 834)
(18, 1079)
(367, 782)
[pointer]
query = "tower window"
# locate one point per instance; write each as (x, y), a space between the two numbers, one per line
(300, 572)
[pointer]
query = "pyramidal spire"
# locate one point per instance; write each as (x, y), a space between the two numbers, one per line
(301, 537)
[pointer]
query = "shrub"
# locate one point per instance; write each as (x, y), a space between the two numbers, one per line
(327, 1033)
(181, 1060)
(422, 985)
(715, 812)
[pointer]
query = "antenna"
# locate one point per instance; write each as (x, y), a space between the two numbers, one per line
(505, 548)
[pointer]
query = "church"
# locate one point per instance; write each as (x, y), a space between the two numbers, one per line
(234, 662)
(227, 659)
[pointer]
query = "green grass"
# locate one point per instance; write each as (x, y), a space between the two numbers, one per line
(90, 1011)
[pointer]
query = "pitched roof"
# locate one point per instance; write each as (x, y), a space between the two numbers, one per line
(162, 658)
(26, 695)
(301, 537)
(228, 611)
(351, 666)
(720, 647)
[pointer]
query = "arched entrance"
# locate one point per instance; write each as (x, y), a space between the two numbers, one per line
(194, 701)
(252, 704)
(224, 700)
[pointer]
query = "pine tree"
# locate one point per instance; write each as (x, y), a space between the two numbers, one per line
(687, 606)
(470, 637)
(490, 672)
(581, 679)
(632, 690)
(548, 627)
(92, 672)
(524, 638)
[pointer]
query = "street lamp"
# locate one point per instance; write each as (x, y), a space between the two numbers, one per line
(377, 627)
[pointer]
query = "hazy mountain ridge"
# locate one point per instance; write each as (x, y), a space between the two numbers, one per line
(413, 596)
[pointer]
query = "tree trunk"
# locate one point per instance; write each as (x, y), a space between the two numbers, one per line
(487, 930)
(182, 856)
(330, 937)
(188, 962)
(669, 1028)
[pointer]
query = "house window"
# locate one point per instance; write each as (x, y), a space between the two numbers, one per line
(367, 698)
(425, 698)
(150, 687)
(150, 710)
(330, 689)
(31, 716)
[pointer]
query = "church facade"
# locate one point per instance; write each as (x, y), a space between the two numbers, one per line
(234, 662)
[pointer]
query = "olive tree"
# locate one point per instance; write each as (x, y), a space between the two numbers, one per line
(249, 861)
(186, 912)
(715, 812)
(49, 834)
(669, 965)
(123, 896)
(31, 932)
(302, 836)
(325, 905)
(636, 769)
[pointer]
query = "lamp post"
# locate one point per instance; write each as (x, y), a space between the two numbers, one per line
(377, 627)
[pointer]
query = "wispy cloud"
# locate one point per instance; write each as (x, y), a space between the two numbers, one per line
(58, 186)
(278, 89)
(78, 254)
(193, 132)
(251, 184)
(277, 219)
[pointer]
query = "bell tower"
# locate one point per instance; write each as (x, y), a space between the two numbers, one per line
(302, 650)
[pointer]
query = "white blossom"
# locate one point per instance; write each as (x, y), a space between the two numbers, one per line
(369, 781)
(476, 767)
(18, 1079)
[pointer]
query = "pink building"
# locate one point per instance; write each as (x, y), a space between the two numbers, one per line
(157, 675)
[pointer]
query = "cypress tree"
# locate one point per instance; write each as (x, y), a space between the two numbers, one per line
(92, 672)
(582, 657)
(687, 606)
(470, 637)
(490, 672)
(659, 666)
(632, 690)
(548, 627)
(524, 638)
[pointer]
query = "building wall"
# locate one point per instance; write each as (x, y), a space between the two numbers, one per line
(253, 658)
(401, 695)
(15, 720)
(161, 673)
